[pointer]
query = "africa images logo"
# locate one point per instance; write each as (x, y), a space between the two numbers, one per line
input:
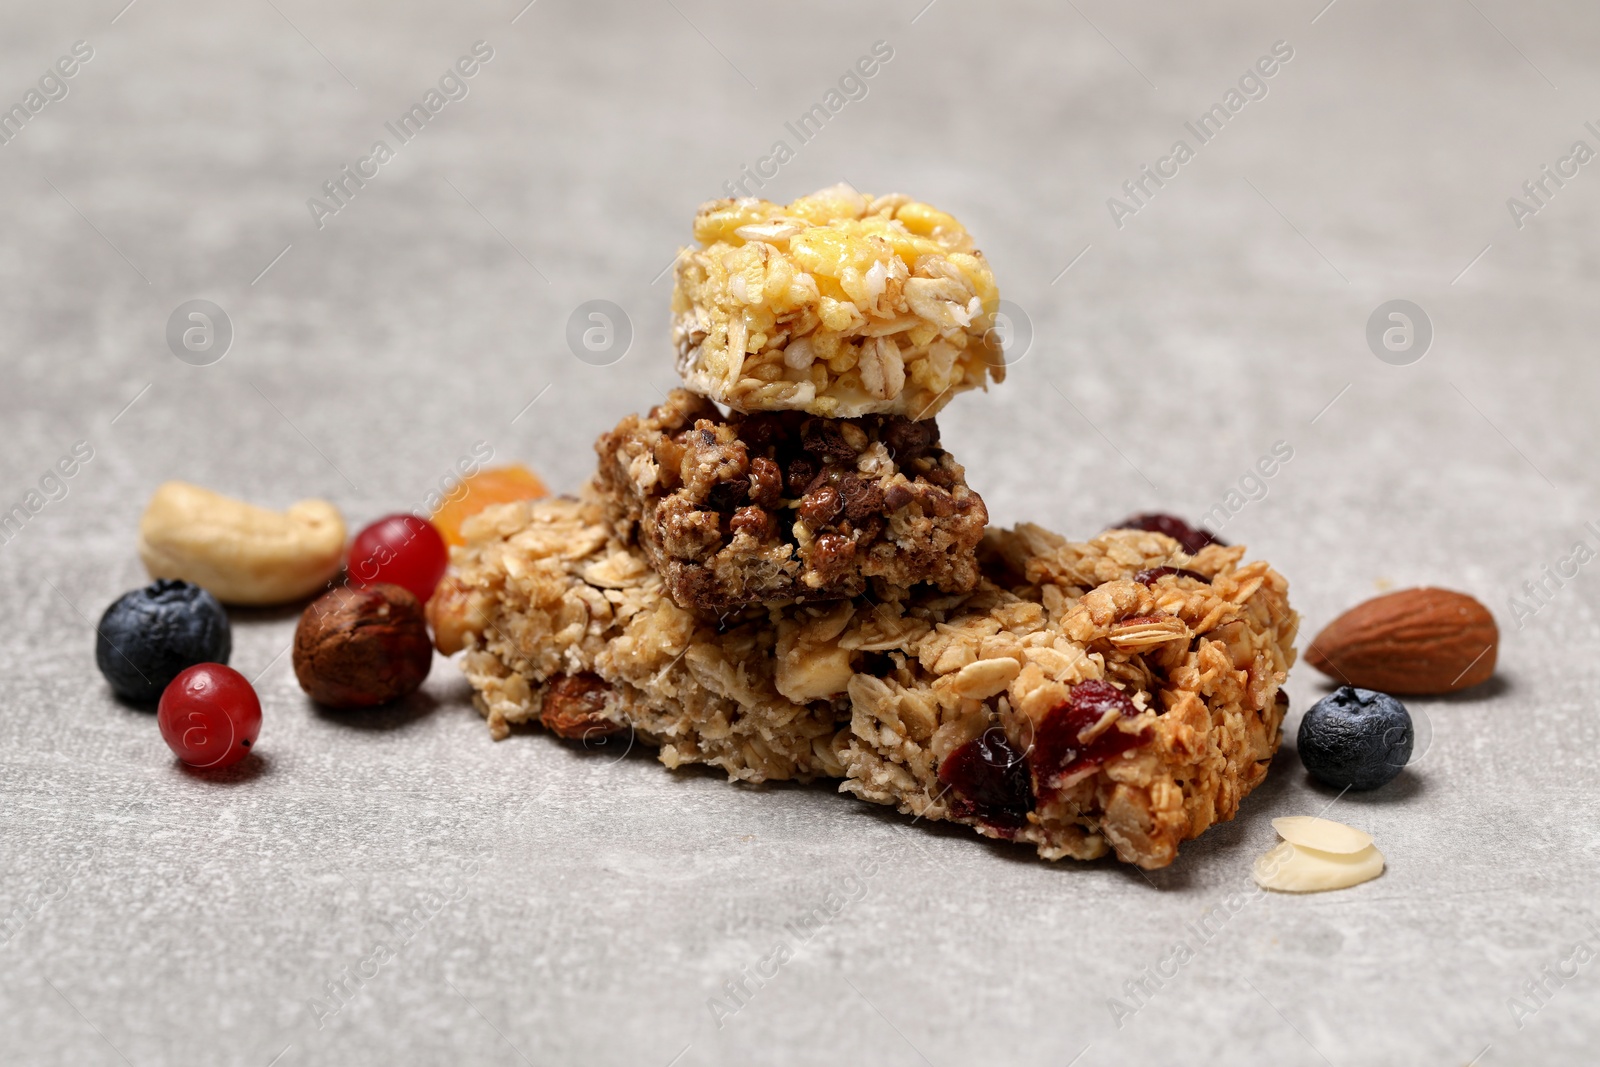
(343, 187)
(1141, 189)
(52, 86)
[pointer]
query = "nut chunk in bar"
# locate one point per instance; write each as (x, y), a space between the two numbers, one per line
(838, 304)
(778, 506)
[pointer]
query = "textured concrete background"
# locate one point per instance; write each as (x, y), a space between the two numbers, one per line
(569, 907)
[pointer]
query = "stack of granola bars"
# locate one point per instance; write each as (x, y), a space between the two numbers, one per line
(780, 572)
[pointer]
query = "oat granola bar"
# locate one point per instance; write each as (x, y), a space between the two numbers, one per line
(1117, 695)
(566, 625)
(837, 304)
(779, 506)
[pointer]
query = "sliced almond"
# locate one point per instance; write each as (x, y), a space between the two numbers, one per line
(1288, 868)
(1323, 835)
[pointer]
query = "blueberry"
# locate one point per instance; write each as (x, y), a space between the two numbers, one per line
(1355, 738)
(151, 635)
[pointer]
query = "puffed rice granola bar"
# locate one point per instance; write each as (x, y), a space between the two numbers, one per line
(838, 304)
(1116, 695)
(780, 506)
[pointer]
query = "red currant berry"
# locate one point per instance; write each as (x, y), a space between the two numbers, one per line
(402, 550)
(210, 716)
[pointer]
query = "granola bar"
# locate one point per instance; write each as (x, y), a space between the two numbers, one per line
(1137, 709)
(566, 625)
(837, 304)
(780, 506)
(1118, 695)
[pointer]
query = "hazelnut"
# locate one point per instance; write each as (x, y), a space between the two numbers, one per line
(456, 612)
(355, 648)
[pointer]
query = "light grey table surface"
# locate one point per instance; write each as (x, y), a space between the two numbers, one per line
(572, 908)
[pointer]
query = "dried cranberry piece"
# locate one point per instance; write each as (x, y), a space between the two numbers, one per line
(1149, 576)
(1057, 752)
(989, 780)
(1192, 538)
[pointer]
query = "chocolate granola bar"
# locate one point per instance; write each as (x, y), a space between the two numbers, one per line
(781, 506)
(1116, 695)
(837, 304)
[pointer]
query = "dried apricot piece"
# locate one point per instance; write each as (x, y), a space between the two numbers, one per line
(492, 485)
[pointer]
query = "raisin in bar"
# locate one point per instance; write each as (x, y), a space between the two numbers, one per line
(1083, 698)
(837, 304)
(780, 506)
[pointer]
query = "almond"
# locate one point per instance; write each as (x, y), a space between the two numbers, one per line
(1416, 641)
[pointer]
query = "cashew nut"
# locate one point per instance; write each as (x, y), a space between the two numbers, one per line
(242, 554)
